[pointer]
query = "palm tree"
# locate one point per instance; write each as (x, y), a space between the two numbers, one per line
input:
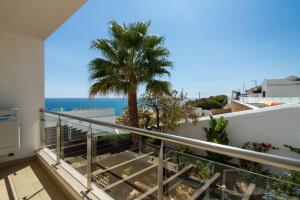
(131, 58)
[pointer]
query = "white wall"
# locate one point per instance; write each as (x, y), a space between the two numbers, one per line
(284, 100)
(276, 125)
(92, 113)
(106, 115)
(281, 88)
(22, 85)
(283, 91)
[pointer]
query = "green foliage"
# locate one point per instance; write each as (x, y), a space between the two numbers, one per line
(150, 179)
(293, 149)
(213, 102)
(202, 170)
(259, 147)
(285, 189)
(288, 188)
(162, 112)
(293, 177)
(109, 137)
(251, 166)
(220, 98)
(257, 168)
(258, 89)
(125, 117)
(128, 170)
(174, 110)
(278, 187)
(183, 148)
(216, 133)
(129, 58)
(180, 154)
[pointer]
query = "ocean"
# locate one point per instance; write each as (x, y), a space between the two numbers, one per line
(67, 104)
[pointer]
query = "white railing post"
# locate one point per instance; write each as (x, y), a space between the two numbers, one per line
(58, 140)
(161, 172)
(69, 131)
(89, 157)
(42, 130)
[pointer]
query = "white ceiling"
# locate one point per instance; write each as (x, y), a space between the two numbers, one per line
(35, 18)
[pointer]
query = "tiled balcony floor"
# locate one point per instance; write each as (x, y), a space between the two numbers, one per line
(28, 180)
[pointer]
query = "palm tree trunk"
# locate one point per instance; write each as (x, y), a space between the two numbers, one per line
(133, 110)
(133, 113)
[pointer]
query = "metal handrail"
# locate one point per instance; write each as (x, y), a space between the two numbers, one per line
(268, 159)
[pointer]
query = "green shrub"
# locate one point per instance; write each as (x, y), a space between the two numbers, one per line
(259, 147)
(202, 169)
(286, 189)
(216, 133)
(213, 102)
(180, 154)
(293, 149)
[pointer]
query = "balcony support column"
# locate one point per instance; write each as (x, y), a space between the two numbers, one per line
(42, 130)
(160, 167)
(89, 157)
(58, 141)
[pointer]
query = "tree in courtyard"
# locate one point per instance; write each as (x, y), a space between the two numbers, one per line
(162, 112)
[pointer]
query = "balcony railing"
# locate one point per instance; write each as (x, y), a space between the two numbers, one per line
(151, 167)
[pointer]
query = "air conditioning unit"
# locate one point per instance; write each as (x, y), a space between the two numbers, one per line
(9, 131)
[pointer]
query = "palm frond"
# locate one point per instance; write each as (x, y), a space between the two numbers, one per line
(116, 30)
(105, 47)
(129, 58)
(153, 41)
(159, 87)
(108, 85)
(99, 68)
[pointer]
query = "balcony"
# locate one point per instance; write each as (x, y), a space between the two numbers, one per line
(28, 180)
(97, 164)
(80, 159)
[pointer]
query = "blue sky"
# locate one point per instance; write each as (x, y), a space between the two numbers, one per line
(215, 45)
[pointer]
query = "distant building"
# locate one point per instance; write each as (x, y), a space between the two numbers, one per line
(254, 92)
(105, 115)
(287, 87)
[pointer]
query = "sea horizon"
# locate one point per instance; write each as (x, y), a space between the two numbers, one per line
(68, 104)
(85, 98)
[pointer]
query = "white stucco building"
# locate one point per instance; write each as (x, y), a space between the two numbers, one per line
(286, 87)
